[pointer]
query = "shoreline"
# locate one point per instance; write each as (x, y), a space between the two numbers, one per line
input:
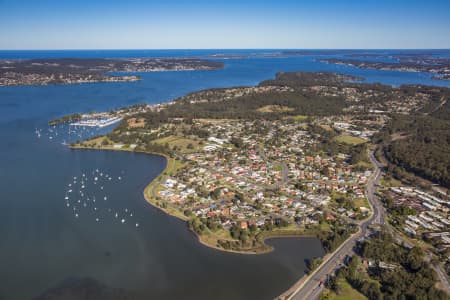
(149, 188)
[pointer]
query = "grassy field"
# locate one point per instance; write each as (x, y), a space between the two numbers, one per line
(172, 167)
(364, 164)
(326, 127)
(180, 142)
(274, 108)
(151, 190)
(390, 182)
(347, 293)
(361, 202)
(299, 118)
(325, 226)
(352, 140)
(211, 238)
(96, 142)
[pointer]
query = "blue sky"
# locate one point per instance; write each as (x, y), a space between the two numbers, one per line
(200, 24)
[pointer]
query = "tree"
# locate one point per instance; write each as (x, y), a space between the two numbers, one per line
(415, 258)
(371, 290)
(237, 142)
(313, 263)
(353, 265)
(235, 232)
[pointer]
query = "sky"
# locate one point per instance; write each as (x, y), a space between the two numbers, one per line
(234, 24)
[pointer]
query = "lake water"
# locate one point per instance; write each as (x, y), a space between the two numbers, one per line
(45, 242)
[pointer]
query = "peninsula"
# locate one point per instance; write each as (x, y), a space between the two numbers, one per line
(439, 66)
(87, 70)
(286, 157)
(294, 156)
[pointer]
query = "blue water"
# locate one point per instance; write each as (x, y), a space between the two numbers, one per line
(43, 243)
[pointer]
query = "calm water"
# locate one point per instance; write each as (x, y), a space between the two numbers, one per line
(42, 241)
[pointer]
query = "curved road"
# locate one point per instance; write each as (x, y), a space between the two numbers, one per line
(311, 287)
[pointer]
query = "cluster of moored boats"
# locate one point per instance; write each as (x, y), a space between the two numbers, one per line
(66, 132)
(86, 194)
(78, 130)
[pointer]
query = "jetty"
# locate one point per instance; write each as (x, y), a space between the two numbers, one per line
(97, 122)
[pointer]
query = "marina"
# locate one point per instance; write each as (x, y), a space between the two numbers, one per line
(100, 122)
(144, 254)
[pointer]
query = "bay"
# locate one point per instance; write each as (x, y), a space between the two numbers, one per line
(43, 243)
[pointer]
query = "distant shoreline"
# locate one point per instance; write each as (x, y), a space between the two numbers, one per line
(50, 71)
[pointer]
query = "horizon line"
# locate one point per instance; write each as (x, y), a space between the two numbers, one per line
(189, 49)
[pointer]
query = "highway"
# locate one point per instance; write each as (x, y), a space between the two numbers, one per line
(442, 277)
(311, 287)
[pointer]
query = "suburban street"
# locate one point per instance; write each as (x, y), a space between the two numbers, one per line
(311, 287)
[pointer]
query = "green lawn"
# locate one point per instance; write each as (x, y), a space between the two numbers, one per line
(326, 127)
(390, 182)
(151, 190)
(299, 118)
(173, 166)
(361, 202)
(352, 140)
(274, 108)
(180, 142)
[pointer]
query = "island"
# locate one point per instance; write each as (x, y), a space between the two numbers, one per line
(88, 70)
(362, 167)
